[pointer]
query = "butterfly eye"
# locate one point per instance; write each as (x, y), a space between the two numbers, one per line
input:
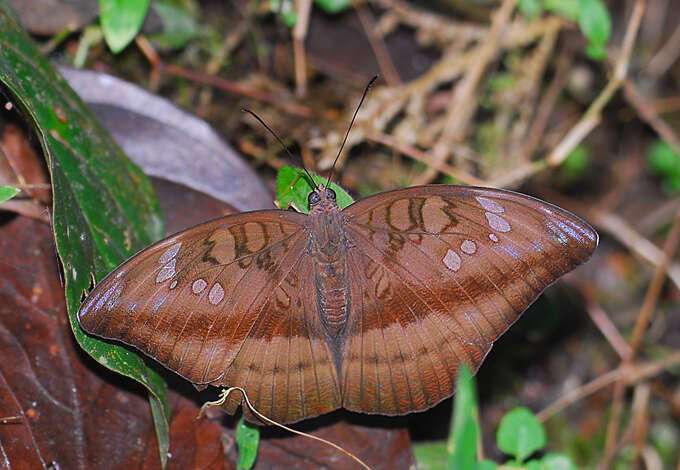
(331, 195)
(313, 198)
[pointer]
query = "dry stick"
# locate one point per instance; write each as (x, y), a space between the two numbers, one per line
(226, 85)
(639, 423)
(626, 372)
(608, 329)
(592, 117)
(303, 8)
(224, 395)
(547, 104)
(636, 243)
(464, 102)
(382, 55)
(424, 157)
(647, 112)
(666, 56)
(641, 325)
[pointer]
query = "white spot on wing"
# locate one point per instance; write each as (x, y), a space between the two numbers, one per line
(216, 294)
(452, 260)
(170, 253)
(493, 237)
(469, 247)
(490, 205)
(174, 284)
(167, 271)
(198, 286)
(497, 222)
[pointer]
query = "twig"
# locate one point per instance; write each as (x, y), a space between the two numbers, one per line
(636, 243)
(628, 373)
(464, 102)
(303, 9)
(226, 85)
(424, 157)
(546, 105)
(382, 55)
(592, 116)
(641, 325)
(608, 329)
(666, 56)
(639, 422)
(224, 396)
(647, 112)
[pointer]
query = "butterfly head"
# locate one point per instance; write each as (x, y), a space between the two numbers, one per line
(321, 199)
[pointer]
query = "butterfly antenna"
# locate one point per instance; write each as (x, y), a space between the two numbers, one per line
(370, 84)
(246, 110)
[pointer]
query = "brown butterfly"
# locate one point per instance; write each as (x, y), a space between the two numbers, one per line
(372, 308)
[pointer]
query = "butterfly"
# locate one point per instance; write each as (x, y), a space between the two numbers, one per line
(372, 308)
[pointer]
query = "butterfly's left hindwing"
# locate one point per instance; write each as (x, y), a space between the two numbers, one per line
(437, 274)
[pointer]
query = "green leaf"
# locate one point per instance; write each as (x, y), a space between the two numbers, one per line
(520, 434)
(292, 187)
(663, 159)
(7, 192)
(431, 456)
(568, 8)
(530, 8)
(247, 440)
(334, 6)
(575, 164)
(596, 51)
(556, 462)
(285, 8)
(594, 21)
(179, 24)
(462, 443)
(486, 465)
(104, 208)
(121, 20)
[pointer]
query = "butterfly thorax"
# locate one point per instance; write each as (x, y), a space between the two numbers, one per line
(328, 247)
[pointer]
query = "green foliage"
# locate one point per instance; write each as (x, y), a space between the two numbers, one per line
(289, 16)
(293, 187)
(664, 160)
(247, 440)
(462, 443)
(575, 165)
(179, 24)
(104, 207)
(334, 6)
(7, 192)
(121, 20)
(520, 434)
(592, 16)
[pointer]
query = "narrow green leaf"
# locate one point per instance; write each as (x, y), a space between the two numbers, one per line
(104, 207)
(486, 464)
(179, 24)
(7, 192)
(556, 462)
(431, 456)
(292, 187)
(520, 434)
(247, 440)
(334, 6)
(462, 443)
(530, 8)
(121, 20)
(594, 21)
(567, 8)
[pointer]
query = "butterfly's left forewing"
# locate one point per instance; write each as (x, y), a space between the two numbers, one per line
(437, 274)
(227, 302)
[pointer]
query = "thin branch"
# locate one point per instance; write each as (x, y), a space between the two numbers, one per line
(382, 54)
